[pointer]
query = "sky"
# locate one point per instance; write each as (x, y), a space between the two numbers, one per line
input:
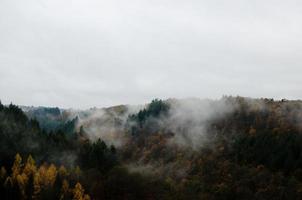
(86, 53)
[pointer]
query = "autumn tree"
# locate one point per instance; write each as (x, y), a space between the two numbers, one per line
(65, 190)
(78, 193)
(16, 169)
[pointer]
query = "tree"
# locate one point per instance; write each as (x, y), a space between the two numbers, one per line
(78, 193)
(51, 175)
(62, 171)
(22, 181)
(16, 169)
(37, 185)
(3, 173)
(30, 167)
(64, 190)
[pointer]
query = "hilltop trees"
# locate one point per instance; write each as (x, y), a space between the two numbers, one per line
(154, 109)
(146, 120)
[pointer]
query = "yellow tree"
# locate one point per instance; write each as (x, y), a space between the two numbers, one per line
(16, 169)
(37, 185)
(64, 190)
(30, 166)
(78, 193)
(86, 197)
(51, 175)
(62, 171)
(22, 181)
(41, 176)
(18, 178)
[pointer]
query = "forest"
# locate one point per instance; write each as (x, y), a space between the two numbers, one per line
(230, 148)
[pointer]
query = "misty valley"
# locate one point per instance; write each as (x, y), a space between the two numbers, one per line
(231, 148)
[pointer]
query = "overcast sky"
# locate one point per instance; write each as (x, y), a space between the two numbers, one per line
(84, 53)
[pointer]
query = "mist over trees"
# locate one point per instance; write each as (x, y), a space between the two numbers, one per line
(231, 148)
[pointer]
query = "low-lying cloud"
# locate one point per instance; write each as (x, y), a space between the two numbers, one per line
(188, 120)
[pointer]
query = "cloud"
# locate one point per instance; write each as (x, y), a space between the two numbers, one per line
(106, 123)
(189, 120)
(100, 53)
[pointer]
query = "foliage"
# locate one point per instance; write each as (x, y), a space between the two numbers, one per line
(28, 181)
(255, 153)
(146, 119)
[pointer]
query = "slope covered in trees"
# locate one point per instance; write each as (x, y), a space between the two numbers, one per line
(92, 165)
(232, 148)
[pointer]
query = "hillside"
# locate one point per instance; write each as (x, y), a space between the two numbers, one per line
(231, 148)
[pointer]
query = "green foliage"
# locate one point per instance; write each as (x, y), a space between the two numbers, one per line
(146, 120)
(154, 109)
(97, 155)
(52, 119)
(277, 152)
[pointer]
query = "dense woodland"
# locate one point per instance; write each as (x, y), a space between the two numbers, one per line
(252, 151)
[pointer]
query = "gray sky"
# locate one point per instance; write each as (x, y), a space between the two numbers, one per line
(85, 53)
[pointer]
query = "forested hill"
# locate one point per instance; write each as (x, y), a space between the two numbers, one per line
(51, 118)
(231, 148)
